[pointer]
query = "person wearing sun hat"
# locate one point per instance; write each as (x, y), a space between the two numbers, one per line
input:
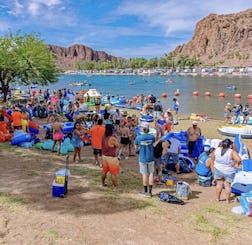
(193, 133)
(144, 145)
(16, 119)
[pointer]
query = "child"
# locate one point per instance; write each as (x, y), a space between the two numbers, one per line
(77, 141)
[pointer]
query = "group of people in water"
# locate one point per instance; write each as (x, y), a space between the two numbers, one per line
(232, 113)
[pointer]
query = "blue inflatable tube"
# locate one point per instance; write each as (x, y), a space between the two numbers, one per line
(19, 137)
(146, 118)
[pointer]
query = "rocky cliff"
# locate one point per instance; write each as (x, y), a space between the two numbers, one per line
(68, 57)
(222, 39)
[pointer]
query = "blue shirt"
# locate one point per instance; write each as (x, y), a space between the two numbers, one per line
(145, 143)
(201, 168)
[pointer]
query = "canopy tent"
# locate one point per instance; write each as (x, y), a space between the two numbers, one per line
(90, 96)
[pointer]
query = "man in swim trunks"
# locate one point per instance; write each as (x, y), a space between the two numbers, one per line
(125, 140)
(192, 135)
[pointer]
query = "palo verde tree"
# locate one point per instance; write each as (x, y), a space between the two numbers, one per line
(25, 60)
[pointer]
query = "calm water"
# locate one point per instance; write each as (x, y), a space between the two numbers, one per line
(212, 106)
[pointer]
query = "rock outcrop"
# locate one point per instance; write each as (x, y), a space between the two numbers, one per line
(68, 57)
(222, 40)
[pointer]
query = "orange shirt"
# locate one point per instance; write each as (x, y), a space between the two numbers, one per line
(97, 132)
(16, 117)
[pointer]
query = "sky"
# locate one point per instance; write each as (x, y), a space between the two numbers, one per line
(123, 28)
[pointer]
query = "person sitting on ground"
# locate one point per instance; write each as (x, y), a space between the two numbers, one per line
(173, 153)
(58, 135)
(226, 161)
(110, 162)
(205, 165)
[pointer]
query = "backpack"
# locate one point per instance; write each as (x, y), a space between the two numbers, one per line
(158, 149)
(183, 189)
(166, 197)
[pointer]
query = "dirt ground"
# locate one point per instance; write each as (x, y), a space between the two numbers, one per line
(91, 214)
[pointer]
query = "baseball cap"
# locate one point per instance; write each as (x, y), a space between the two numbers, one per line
(194, 123)
(145, 125)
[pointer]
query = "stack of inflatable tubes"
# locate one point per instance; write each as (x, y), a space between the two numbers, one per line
(33, 127)
(4, 132)
(22, 139)
(67, 127)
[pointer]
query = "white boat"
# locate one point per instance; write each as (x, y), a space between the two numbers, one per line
(78, 83)
(231, 130)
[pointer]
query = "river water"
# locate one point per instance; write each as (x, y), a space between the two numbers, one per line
(212, 106)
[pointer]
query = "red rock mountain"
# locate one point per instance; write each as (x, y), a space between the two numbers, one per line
(68, 57)
(222, 40)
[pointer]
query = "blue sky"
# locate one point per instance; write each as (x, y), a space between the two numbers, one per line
(123, 28)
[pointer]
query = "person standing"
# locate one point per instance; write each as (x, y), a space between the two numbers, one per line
(58, 135)
(226, 161)
(25, 120)
(16, 119)
(110, 162)
(77, 141)
(157, 109)
(227, 113)
(246, 112)
(176, 106)
(144, 144)
(192, 135)
(97, 132)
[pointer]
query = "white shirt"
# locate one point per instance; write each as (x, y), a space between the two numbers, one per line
(175, 145)
(224, 163)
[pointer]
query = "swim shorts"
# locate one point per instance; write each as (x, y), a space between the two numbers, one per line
(110, 164)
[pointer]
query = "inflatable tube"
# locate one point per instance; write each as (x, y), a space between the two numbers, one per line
(19, 137)
(33, 125)
(240, 120)
(244, 130)
(188, 161)
(69, 117)
(146, 118)
(26, 144)
(33, 130)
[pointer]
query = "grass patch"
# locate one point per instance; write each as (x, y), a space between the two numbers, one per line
(53, 236)
(201, 219)
(12, 201)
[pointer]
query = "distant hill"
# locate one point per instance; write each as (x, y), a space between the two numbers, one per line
(223, 39)
(67, 57)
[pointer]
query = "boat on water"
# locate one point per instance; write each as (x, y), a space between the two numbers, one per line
(131, 83)
(231, 130)
(231, 88)
(79, 83)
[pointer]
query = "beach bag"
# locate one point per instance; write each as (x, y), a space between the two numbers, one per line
(158, 149)
(166, 197)
(183, 189)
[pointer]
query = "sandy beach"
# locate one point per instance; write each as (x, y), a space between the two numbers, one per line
(91, 214)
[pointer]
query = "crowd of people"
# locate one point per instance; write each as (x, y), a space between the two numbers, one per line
(114, 137)
(232, 113)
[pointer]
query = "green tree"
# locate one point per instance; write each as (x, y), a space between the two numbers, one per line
(26, 60)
